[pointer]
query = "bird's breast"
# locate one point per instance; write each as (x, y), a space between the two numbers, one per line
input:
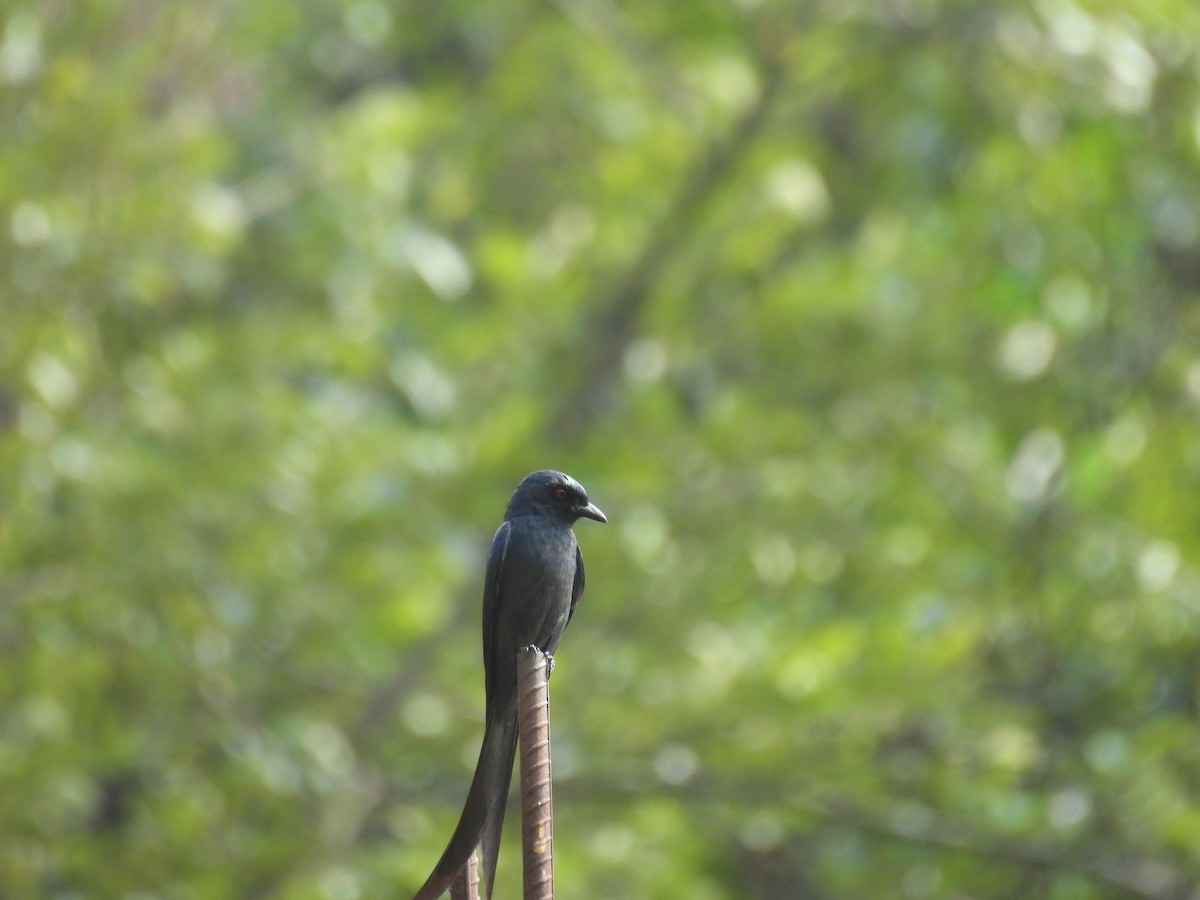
(539, 572)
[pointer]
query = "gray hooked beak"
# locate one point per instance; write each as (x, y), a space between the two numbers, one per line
(591, 511)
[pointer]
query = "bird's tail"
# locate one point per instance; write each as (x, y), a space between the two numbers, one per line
(483, 813)
(489, 849)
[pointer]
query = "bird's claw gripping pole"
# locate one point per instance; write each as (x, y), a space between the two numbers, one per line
(537, 814)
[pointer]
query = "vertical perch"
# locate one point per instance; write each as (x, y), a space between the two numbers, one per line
(537, 816)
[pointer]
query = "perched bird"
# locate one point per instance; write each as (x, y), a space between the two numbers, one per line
(534, 579)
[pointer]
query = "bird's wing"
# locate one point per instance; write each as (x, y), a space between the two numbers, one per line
(483, 813)
(491, 607)
(501, 723)
(577, 587)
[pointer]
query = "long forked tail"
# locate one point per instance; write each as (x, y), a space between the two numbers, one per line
(483, 813)
(489, 849)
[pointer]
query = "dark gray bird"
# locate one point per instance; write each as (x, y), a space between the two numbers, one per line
(534, 579)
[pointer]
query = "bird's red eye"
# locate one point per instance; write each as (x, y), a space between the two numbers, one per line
(561, 493)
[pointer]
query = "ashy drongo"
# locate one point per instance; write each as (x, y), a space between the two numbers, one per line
(534, 579)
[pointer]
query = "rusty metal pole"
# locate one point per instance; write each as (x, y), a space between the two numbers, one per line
(537, 814)
(466, 885)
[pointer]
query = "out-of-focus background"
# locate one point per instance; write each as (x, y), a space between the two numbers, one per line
(872, 326)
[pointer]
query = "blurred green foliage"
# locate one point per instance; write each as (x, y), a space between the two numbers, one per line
(872, 325)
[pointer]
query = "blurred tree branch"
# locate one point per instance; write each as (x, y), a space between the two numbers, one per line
(615, 313)
(914, 823)
(1142, 876)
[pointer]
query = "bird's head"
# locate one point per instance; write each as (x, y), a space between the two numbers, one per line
(550, 493)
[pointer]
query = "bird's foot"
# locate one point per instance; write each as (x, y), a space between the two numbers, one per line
(533, 648)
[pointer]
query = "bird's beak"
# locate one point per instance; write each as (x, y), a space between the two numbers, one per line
(591, 511)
